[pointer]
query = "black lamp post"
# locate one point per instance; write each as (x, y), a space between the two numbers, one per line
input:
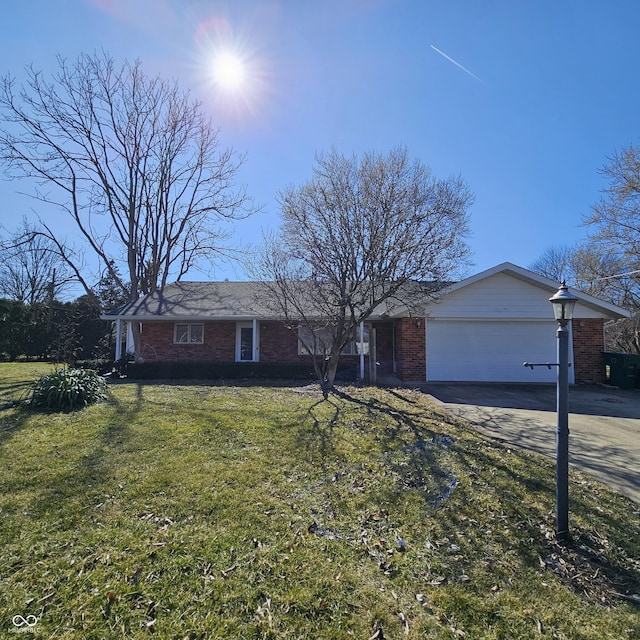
(563, 303)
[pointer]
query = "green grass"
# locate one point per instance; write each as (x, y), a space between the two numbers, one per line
(195, 511)
(16, 379)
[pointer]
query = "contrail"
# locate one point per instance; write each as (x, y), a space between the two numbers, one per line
(444, 55)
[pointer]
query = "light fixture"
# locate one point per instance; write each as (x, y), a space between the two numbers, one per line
(563, 303)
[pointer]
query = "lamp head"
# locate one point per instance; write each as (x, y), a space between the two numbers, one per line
(563, 303)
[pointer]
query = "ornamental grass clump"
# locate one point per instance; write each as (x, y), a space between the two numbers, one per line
(68, 389)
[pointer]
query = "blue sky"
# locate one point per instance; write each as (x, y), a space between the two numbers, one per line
(525, 100)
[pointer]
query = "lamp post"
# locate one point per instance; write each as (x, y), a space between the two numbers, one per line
(563, 303)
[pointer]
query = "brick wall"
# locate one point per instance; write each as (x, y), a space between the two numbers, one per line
(219, 343)
(588, 345)
(411, 349)
(279, 344)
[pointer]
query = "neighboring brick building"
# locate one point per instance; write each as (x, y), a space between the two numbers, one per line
(480, 329)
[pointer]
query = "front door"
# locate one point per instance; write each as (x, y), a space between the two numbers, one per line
(245, 342)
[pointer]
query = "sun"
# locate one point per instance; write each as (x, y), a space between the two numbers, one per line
(235, 79)
(229, 71)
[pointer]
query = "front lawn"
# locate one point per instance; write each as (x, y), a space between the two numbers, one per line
(197, 511)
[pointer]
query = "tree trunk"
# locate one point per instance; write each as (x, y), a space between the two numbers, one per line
(329, 376)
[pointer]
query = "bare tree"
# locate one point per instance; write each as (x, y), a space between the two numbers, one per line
(615, 231)
(31, 270)
(555, 263)
(607, 264)
(591, 269)
(131, 159)
(615, 223)
(359, 233)
(615, 219)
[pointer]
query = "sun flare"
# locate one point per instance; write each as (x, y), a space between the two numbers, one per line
(235, 79)
(229, 71)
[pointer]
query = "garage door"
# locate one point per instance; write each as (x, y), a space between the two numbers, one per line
(491, 351)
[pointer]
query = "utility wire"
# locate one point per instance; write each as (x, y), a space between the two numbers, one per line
(618, 275)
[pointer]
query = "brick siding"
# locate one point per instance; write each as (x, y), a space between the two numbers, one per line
(411, 351)
(588, 345)
(219, 343)
(277, 344)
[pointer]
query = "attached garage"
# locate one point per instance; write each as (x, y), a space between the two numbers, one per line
(483, 328)
(490, 351)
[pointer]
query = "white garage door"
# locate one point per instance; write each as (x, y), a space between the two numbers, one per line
(491, 351)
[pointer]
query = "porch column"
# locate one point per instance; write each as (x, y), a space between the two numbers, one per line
(362, 351)
(118, 339)
(255, 355)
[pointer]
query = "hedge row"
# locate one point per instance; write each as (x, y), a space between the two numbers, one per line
(227, 371)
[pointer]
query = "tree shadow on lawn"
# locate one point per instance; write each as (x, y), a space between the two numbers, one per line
(14, 410)
(88, 475)
(12, 420)
(405, 427)
(515, 492)
(403, 431)
(321, 435)
(600, 560)
(408, 460)
(14, 393)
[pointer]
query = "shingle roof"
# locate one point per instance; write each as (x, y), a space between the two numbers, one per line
(211, 301)
(197, 300)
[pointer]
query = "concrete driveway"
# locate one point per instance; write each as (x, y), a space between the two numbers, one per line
(604, 424)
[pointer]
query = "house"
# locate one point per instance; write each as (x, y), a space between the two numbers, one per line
(482, 328)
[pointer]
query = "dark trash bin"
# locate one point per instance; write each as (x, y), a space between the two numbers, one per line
(623, 369)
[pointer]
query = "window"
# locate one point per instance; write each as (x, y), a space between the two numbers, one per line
(188, 334)
(355, 346)
(317, 340)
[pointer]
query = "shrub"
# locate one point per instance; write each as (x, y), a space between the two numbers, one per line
(68, 389)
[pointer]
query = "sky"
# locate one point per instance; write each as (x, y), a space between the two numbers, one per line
(525, 100)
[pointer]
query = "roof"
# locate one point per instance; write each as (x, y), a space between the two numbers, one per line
(197, 301)
(241, 300)
(611, 310)
(202, 301)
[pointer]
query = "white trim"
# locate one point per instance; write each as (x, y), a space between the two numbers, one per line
(256, 336)
(426, 346)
